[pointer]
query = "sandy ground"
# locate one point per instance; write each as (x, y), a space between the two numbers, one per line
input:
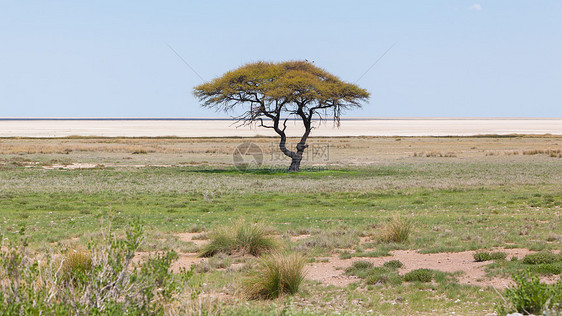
(330, 270)
(223, 128)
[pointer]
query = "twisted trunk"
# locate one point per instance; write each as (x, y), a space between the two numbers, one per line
(296, 156)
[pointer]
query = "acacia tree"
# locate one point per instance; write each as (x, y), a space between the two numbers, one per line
(275, 92)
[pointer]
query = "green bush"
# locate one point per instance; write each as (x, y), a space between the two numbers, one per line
(278, 274)
(480, 256)
(498, 255)
(360, 265)
(242, 237)
(541, 257)
(530, 296)
(419, 275)
(393, 264)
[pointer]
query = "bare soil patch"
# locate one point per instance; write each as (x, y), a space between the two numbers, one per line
(332, 271)
(189, 237)
(72, 166)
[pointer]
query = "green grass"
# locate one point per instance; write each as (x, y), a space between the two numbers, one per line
(452, 220)
(453, 206)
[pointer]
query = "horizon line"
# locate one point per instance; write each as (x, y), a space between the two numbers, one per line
(234, 119)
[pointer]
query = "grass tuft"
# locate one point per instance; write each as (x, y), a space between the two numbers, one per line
(278, 274)
(242, 237)
(397, 230)
(77, 262)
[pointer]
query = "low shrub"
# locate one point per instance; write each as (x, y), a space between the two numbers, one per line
(278, 274)
(419, 275)
(393, 264)
(541, 257)
(242, 237)
(397, 230)
(481, 256)
(382, 275)
(99, 281)
(359, 268)
(531, 296)
(361, 264)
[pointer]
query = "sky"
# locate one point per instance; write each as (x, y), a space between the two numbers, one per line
(451, 58)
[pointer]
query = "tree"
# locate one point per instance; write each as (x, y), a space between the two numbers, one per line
(275, 92)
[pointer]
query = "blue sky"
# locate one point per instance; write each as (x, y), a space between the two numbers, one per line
(453, 58)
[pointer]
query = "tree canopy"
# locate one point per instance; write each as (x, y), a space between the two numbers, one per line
(276, 91)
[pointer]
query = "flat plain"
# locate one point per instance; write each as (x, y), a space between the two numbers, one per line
(461, 194)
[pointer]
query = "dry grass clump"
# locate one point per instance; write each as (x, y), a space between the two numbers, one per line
(278, 274)
(556, 153)
(511, 153)
(449, 154)
(77, 261)
(241, 237)
(396, 230)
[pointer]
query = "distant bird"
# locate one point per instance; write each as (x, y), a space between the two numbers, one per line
(312, 62)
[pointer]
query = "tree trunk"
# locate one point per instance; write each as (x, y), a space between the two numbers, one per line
(295, 162)
(296, 158)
